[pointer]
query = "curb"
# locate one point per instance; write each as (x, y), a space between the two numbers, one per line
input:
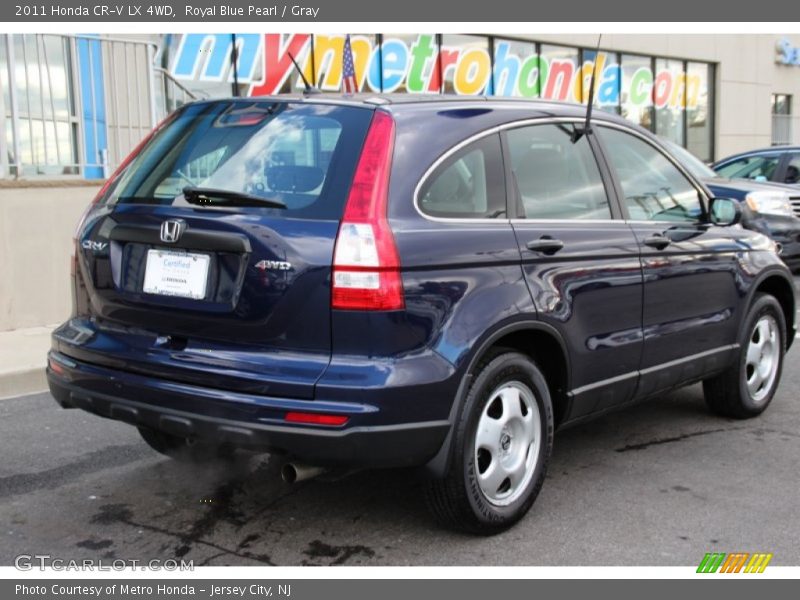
(22, 382)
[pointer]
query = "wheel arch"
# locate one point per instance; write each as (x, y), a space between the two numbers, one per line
(538, 340)
(777, 284)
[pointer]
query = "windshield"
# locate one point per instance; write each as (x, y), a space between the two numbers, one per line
(299, 155)
(695, 166)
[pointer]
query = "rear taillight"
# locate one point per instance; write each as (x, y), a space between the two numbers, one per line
(366, 267)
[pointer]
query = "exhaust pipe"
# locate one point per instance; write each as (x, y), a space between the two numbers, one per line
(294, 472)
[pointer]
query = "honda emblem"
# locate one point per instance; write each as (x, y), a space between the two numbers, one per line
(172, 230)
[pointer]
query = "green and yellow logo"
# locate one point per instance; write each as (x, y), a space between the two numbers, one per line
(737, 562)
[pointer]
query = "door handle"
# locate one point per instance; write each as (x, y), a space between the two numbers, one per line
(545, 245)
(658, 241)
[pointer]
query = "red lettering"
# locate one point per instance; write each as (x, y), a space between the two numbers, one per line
(560, 74)
(662, 89)
(277, 62)
(444, 60)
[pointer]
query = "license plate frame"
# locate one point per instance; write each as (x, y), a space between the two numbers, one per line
(176, 274)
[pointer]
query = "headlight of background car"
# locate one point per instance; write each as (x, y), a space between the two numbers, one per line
(770, 203)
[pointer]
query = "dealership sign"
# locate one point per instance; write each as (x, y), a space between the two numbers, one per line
(417, 66)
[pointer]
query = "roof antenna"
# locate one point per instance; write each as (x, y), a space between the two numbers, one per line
(579, 132)
(309, 90)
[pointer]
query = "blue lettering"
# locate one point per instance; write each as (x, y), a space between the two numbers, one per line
(374, 70)
(395, 61)
(608, 91)
(788, 54)
(207, 56)
(506, 70)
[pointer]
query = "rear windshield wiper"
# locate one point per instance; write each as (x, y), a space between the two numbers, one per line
(210, 197)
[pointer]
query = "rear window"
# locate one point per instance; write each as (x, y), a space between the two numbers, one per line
(302, 155)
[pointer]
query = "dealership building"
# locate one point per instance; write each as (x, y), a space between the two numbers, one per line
(73, 106)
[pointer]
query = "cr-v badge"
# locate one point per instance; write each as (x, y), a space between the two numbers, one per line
(93, 246)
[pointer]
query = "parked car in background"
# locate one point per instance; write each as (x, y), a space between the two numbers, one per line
(386, 281)
(779, 164)
(769, 208)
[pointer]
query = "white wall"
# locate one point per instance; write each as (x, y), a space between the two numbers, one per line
(36, 227)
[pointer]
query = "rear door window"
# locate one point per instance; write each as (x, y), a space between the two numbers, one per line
(301, 155)
(556, 178)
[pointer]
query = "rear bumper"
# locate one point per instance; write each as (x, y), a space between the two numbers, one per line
(244, 420)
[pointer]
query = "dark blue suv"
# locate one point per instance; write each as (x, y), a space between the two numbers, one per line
(404, 281)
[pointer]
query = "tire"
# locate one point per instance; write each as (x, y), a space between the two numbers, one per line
(506, 422)
(747, 387)
(184, 449)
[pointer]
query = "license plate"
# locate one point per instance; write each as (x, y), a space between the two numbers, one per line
(181, 274)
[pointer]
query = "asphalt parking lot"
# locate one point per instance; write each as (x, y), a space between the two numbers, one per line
(659, 484)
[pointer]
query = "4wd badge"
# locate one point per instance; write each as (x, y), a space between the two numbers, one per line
(273, 265)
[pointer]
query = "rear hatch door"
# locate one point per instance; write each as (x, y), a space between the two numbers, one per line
(209, 257)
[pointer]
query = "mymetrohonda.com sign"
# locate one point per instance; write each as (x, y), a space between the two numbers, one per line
(416, 64)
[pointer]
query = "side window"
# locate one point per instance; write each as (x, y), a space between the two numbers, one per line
(554, 177)
(793, 170)
(759, 167)
(469, 184)
(653, 188)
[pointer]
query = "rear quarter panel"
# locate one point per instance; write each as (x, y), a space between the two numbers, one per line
(461, 279)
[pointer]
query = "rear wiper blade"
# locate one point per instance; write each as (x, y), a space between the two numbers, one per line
(211, 196)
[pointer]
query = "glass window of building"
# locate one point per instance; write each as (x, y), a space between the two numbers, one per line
(781, 119)
(409, 63)
(562, 82)
(699, 108)
(669, 99)
(673, 98)
(636, 101)
(329, 64)
(517, 69)
(46, 119)
(466, 65)
(608, 79)
(781, 104)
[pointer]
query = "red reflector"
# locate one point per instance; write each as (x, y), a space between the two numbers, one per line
(55, 367)
(315, 418)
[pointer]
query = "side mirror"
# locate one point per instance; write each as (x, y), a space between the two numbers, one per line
(725, 212)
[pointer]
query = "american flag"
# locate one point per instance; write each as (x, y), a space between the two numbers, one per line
(349, 70)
